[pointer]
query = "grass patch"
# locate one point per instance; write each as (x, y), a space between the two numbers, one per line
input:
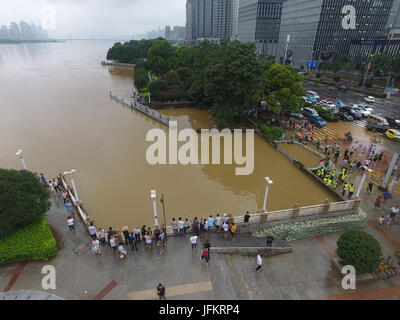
(35, 242)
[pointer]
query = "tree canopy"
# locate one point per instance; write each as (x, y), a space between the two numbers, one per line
(23, 200)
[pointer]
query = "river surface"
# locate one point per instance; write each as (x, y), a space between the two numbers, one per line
(55, 106)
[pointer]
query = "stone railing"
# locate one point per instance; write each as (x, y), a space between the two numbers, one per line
(117, 64)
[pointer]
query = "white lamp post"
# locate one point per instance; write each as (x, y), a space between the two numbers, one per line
(73, 182)
(268, 183)
(362, 181)
(153, 196)
(19, 154)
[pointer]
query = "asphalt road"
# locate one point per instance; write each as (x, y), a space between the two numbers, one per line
(381, 106)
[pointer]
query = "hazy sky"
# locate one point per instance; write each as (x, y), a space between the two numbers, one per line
(105, 18)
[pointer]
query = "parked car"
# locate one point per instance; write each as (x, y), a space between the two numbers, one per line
(312, 94)
(363, 112)
(370, 99)
(307, 100)
(374, 119)
(342, 88)
(366, 111)
(315, 119)
(393, 134)
(393, 123)
(381, 128)
(309, 111)
(340, 104)
(353, 112)
(365, 107)
(344, 115)
(328, 103)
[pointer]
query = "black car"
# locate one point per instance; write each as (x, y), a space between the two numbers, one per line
(353, 112)
(342, 88)
(344, 115)
(381, 128)
(393, 123)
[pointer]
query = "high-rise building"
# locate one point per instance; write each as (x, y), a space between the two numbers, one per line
(4, 35)
(394, 19)
(259, 22)
(225, 19)
(211, 19)
(26, 31)
(15, 33)
(167, 32)
(318, 29)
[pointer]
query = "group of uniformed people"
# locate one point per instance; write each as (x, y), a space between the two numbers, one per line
(334, 178)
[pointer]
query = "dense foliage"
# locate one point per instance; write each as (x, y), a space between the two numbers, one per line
(272, 133)
(225, 78)
(359, 249)
(35, 242)
(23, 200)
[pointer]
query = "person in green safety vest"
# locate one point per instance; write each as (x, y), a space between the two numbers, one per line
(343, 178)
(329, 182)
(333, 174)
(345, 189)
(352, 188)
(334, 185)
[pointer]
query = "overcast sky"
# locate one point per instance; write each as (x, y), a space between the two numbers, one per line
(100, 18)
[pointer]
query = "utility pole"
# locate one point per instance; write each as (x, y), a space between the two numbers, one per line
(286, 50)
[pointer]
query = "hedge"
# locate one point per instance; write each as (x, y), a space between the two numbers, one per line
(35, 242)
(272, 133)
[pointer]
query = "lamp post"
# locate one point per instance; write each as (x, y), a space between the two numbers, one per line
(20, 155)
(286, 49)
(268, 183)
(367, 71)
(163, 208)
(366, 170)
(153, 196)
(73, 182)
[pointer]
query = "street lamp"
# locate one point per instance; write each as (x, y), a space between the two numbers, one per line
(366, 170)
(19, 154)
(268, 183)
(153, 196)
(73, 182)
(370, 56)
(163, 208)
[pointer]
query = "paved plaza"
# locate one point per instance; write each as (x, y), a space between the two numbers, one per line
(306, 273)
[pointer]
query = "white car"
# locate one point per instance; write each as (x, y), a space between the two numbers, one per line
(312, 94)
(364, 106)
(364, 113)
(365, 110)
(328, 103)
(370, 99)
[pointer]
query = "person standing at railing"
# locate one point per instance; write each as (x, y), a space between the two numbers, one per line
(246, 219)
(270, 240)
(69, 207)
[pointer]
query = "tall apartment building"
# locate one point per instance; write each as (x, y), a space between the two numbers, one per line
(394, 19)
(211, 19)
(316, 27)
(259, 22)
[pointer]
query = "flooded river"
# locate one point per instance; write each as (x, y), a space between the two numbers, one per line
(55, 106)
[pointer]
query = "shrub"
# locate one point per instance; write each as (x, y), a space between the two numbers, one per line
(327, 115)
(23, 200)
(318, 75)
(272, 133)
(337, 78)
(359, 249)
(35, 242)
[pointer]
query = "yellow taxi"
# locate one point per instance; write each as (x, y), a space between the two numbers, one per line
(393, 134)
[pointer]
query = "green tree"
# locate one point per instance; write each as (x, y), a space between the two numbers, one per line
(283, 88)
(359, 249)
(23, 200)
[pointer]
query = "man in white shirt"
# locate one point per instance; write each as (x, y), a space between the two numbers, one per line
(217, 222)
(393, 212)
(181, 227)
(71, 224)
(92, 231)
(193, 241)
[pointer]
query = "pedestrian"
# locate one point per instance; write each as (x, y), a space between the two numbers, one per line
(381, 220)
(186, 226)
(102, 236)
(195, 226)
(113, 244)
(204, 255)
(125, 232)
(386, 195)
(394, 212)
(161, 291)
(143, 231)
(224, 218)
(380, 157)
(136, 232)
(71, 224)
(217, 222)
(345, 189)
(246, 219)
(370, 186)
(149, 232)
(148, 241)
(233, 229)
(210, 223)
(346, 152)
(122, 252)
(163, 242)
(55, 185)
(378, 202)
(352, 189)
(51, 187)
(259, 263)
(174, 225)
(43, 178)
(193, 241)
(92, 231)
(336, 156)
(132, 241)
(181, 227)
(388, 221)
(110, 234)
(69, 207)
(201, 225)
(64, 196)
(225, 226)
(270, 240)
(96, 247)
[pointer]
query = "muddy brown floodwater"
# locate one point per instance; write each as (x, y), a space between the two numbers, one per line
(55, 106)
